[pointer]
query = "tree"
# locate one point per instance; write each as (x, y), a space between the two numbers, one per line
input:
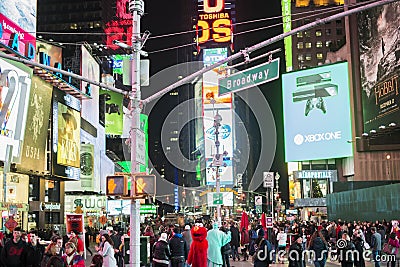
(316, 189)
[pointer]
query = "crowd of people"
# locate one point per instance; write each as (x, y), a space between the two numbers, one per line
(208, 244)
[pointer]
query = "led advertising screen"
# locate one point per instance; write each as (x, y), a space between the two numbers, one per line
(52, 52)
(316, 107)
(379, 62)
(87, 157)
(112, 103)
(90, 69)
(66, 125)
(68, 144)
(210, 79)
(15, 86)
(37, 122)
(225, 132)
(21, 12)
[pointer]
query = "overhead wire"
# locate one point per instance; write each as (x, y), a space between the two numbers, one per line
(313, 14)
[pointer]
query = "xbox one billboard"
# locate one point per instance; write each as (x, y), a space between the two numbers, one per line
(316, 113)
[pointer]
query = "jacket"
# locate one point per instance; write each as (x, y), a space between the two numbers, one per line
(77, 261)
(178, 247)
(235, 236)
(376, 244)
(320, 249)
(161, 252)
(17, 258)
(34, 254)
(216, 240)
(296, 256)
(262, 254)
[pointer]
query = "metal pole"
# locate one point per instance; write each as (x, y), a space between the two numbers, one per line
(265, 43)
(217, 120)
(136, 7)
(6, 170)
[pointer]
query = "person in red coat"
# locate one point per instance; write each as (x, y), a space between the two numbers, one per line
(198, 249)
(74, 238)
(244, 242)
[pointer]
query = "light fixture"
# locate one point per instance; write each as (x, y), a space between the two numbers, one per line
(51, 40)
(382, 127)
(392, 124)
(372, 131)
(365, 134)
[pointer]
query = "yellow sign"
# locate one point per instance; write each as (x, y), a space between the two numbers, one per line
(145, 184)
(117, 185)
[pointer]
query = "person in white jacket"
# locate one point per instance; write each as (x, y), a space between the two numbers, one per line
(107, 251)
(281, 238)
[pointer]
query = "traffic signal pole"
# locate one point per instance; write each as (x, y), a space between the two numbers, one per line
(136, 7)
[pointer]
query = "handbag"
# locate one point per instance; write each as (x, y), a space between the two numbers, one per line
(388, 249)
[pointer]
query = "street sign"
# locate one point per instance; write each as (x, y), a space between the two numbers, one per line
(140, 147)
(269, 222)
(268, 178)
(11, 224)
(218, 199)
(260, 74)
(258, 209)
(148, 209)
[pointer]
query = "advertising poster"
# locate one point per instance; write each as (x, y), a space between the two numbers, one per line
(87, 166)
(54, 53)
(112, 103)
(316, 112)
(23, 43)
(22, 13)
(66, 123)
(379, 62)
(75, 222)
(68, 145)
(210, 79)
(37, 123)
(90, 69)
(225, 172)
(15, 86)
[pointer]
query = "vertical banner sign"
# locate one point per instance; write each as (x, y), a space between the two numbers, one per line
(68, 145)
(112, 103)
(287, 26)
(379, 63)
(15, 85)
(75, 223)
(37, 123)
(87, 166)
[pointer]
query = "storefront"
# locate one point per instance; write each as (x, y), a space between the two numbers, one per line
(91, 206)
(15, 203)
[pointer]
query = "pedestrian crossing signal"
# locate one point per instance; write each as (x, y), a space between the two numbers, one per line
(117, 185)
(145, 185)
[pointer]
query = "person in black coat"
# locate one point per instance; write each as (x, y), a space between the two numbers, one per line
(319, 249)
(226, 250)
(235, 241)
(295, 254)
(346, 251)
(161, 252)
(179, 249)
(262, 256)
(34, 250)
(359, 246)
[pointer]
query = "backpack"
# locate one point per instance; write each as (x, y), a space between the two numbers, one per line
(226, 249)
(267, 246)
(253, 234)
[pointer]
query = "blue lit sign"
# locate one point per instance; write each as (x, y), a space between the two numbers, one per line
(316, 106)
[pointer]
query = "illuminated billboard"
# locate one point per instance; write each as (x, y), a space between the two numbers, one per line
(15, 86)
(215, 23)
(287, 27)
(112, 105)
(225, 136)
(22, 13)
(90, 69)
(379, 57)
(66, 125)
(51, 54)
(316, 107)
(37, 122)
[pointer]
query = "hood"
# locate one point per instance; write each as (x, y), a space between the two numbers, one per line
(177, 235)
(199, 233)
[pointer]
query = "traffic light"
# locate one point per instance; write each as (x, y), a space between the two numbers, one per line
(117, 185)
(145, 185)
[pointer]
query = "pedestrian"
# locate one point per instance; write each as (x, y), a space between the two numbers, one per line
(376, 246)
(55, 261)
(87, 240)
(318, 249)
(34, 250)
(97, 261)
(359, 245)
(296, 257)
(226, 250)
(216, 240)
(107, 251)
(187, 235)
(235, 241)
(161, 252)
(71, 257)
(199, 248)
(178, 248)
(14, 252)
(244, 242)
(282, 238)
(395, 244)
(346, 251)
(74, 238)
(262, 255)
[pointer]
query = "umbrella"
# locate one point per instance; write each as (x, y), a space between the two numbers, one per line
(244, 221)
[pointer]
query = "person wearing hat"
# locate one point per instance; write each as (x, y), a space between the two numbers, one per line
(295, 255)
(161, 252)
(216, 240)
(187, 236)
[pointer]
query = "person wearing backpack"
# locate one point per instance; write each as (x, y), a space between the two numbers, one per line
(226, 250)
(253, 238)
(262, 255)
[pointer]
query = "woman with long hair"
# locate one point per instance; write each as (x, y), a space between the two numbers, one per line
(107, 251)
(319, 249)
(395, 244)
